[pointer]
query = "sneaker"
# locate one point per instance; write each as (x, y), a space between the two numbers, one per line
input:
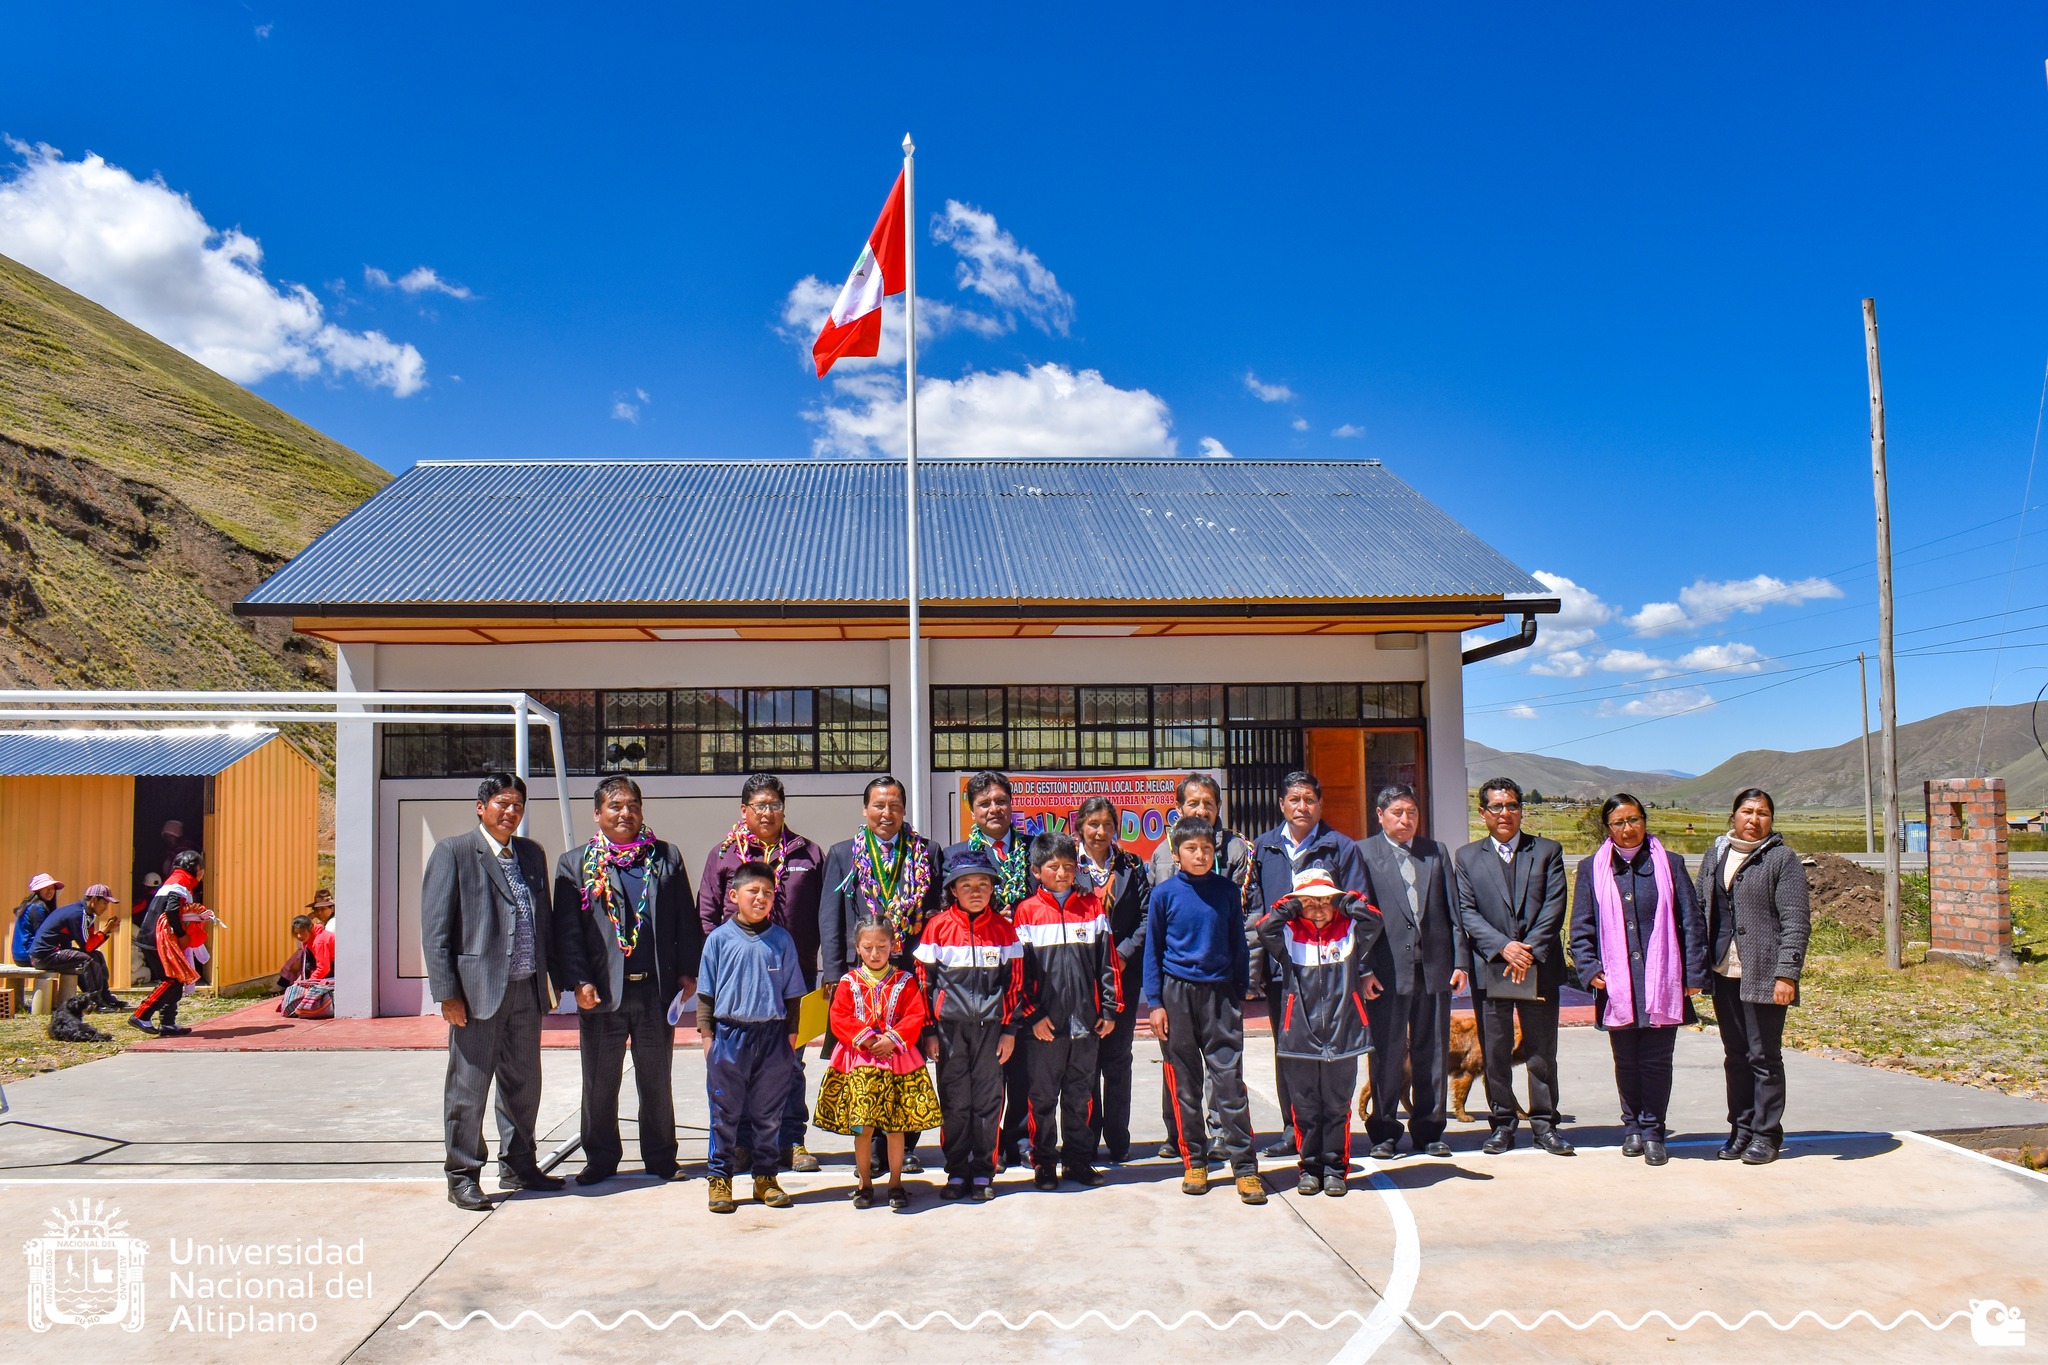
(137, 1021)
(721, 1195)
(1194, 1178)
(768, 1191)
(1251, 1189)
(1334, 1186)
(953, 1189)
(1087, 1175)
(799, 1158)
(1046, 1179)
(1308, 1185)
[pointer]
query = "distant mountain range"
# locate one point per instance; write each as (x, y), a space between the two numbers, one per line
(1946, 745)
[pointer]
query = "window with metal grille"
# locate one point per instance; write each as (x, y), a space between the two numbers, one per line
(1187, 730)
(1041, 727)
(967, 728)
(1116, 727)
(853, 729)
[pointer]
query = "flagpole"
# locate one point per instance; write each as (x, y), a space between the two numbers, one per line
(917, 792)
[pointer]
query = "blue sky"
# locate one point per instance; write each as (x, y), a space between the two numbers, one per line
(1589, 280)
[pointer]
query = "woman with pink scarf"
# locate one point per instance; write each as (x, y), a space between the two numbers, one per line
(1639, 943)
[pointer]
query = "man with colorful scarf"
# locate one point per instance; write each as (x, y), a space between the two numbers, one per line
(887, 869)
(626, 943)
(996, 838)
(762, 835)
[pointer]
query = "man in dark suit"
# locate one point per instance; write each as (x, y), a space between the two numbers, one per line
(1299, 842)
(1511, 901)
(886, 869)
(484, 929)
(627, 941)
(1419, 963)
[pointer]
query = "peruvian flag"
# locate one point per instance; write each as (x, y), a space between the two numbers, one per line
(855, 327)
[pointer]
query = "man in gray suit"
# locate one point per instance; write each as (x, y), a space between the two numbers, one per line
(1511, 901)
(1419, 963)
(484, 926)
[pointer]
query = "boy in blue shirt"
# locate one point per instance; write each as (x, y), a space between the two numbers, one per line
(750, 990)
(1197, 970)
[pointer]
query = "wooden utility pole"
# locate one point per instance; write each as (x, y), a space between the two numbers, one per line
(1887, 677)
(1869, 820)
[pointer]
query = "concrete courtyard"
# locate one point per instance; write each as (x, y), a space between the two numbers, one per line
(1866, 1240)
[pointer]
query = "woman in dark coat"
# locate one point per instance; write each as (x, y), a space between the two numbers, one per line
(1121, 879)
(1639, 943)
(1758, 923)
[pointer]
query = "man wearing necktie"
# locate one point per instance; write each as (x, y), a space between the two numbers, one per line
(1418, 964)
(485, 926)
(1511, 900)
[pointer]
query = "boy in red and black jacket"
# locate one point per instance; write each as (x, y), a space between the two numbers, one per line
(1318, 940)
(1073, 993)
(972, 971)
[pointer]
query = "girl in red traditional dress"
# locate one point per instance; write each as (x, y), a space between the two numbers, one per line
(877, 1082)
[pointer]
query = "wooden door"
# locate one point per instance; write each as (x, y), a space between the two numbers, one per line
(1337, 758)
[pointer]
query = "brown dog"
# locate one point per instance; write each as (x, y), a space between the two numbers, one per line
(1466, 1064)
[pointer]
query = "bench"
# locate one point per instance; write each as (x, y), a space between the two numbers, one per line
(41, 991)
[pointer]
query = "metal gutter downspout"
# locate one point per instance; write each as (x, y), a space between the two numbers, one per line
(1508, 644)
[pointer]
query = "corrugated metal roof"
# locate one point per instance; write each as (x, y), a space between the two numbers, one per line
(559, 533)
(127, 753)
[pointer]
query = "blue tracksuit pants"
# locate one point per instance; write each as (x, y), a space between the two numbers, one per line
(748, 1074)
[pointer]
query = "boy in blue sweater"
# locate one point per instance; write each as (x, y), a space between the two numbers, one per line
(750, 990)
(1197, 970)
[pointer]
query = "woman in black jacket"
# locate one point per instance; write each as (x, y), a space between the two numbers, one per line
(1758, 923)
(1639, 943)
(1120, 878)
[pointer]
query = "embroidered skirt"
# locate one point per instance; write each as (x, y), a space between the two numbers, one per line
(869, 1097)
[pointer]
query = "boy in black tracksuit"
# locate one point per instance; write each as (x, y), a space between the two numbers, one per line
(972, 971)
(1317, 943)
(1073, 992)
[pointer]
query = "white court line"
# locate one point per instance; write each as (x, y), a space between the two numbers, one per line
(2006, 1166)
(1392, 1309)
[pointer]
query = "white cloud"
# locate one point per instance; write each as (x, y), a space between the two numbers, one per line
(1706, 602)
(1672, 702)
(1046, 411)
(144, 251)
(263, 30)
(1522, 711)
(1300, 424)
(1562, 663)
(418, 280)
(1213, 449)
(1350, 431)
(1728, 658)
(626, 408)
(1267, 393)
(1002, 270)
(1632, 661)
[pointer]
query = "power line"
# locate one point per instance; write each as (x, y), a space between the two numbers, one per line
(2012, 575)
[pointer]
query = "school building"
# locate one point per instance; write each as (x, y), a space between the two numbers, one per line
(693, 621)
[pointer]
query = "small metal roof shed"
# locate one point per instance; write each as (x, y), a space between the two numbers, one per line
(128, 753)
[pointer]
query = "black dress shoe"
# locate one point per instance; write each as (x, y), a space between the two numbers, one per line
(1733, 1148)
(1308, 1184)
(1167, 1152)
(1500, 1140)
(1760, 1152)
(594, 1175)
(1654, 1153)
(1283, 1148)
(1437, 1148)
(1384, 1151)
(1632, 1145)
(911, 1165)
(529, 1180)
(465, 1193)
(1550, 1141)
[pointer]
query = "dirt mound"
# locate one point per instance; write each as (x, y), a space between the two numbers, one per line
(1851, 896)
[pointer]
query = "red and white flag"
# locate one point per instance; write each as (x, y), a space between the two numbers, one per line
(855, 327)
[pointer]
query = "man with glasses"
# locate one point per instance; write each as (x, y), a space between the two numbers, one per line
(762, 835)
(1511, 903)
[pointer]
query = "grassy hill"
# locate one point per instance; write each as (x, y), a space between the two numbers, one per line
(1940, 746)
(141, 494)
(1559, 776)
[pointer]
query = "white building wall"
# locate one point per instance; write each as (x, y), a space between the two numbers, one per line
(356, 850)
(1445, 701)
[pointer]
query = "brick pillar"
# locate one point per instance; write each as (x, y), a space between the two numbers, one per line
(1968, 883)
